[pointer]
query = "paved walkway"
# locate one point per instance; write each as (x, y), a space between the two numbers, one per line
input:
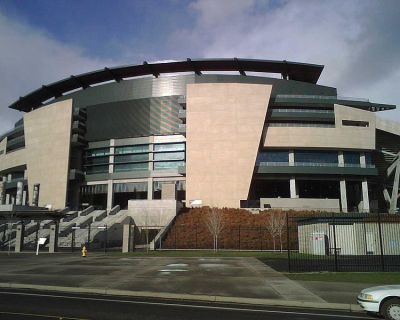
(221, 277)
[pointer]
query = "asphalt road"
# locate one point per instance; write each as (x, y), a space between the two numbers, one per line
(34, 305)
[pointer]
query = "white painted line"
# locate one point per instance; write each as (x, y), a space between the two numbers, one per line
(177, 265)
(173, 270)
(185, 305)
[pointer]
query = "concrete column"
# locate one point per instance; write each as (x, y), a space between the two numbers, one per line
(12, 199)
(127, 238)
(340, 159)
(111, 158)
(343, 195)
(19, 238)
(24, 196)
(25, 174)
(4, 178)
(365, 196)
(151, 156)
(20, 190)
(53, 238)
(7, 199)
(150, 189)
(291, 158)
(110, 195)
(9, 177)
(2, 192)
(293, 188)
(363, 163)
(35, 195)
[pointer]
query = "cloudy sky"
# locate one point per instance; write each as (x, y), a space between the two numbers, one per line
(358, 41)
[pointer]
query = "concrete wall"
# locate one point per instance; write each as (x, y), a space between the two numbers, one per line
(329, 205)
(13, 159)
(152, 213)
(340, 137)
(47, 148)
(224, 128)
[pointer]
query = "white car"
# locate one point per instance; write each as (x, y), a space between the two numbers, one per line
(383, 300)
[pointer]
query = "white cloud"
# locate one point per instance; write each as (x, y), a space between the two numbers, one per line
(30, 58)
(357, 41)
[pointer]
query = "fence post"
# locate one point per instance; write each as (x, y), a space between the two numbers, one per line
(88, 237)
(176, 228)
(239, 237)
(105, 239)
(196, 237)
(73, 240)
(260, 235)
(288, 242)
(381, 241)
(334, 241)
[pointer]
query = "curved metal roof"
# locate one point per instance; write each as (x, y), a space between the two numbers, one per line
(289, 70)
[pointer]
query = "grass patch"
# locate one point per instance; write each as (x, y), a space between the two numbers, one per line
(202, 253)
(360, 277)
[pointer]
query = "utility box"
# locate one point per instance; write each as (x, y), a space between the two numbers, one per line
(318, 243)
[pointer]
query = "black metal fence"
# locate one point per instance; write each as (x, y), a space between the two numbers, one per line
(343, 242)
(296, 242)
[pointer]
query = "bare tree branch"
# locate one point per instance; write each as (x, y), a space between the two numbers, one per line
(215, 224)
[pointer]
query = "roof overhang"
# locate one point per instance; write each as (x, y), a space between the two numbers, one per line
(289, 70)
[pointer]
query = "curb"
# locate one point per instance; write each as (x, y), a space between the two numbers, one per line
(189, 297)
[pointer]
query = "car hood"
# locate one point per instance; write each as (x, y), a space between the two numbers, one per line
(389, 289)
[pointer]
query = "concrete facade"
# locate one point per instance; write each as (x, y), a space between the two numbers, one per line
(340, 137)
(224, 126)
(48, 136)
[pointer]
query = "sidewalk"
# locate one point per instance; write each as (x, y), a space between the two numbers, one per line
(238, 280)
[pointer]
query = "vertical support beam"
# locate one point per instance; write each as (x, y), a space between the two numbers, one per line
(363, 163)
(150, 189)
(395, 190)
(19, 237)
(35, 194)
(365, 196)
(340, 159)
(291, 158)
(343, 195)
(150, 180)
(24, 196)
(53, 238)
(111, 158)
(9, 177)
(127, 237)
(7, 199)
(293, 189)
(2, 192)
(110, 195)
(20, 190)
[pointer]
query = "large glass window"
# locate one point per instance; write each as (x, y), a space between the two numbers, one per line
(132, 157)
(351, 158)
(98, 160)
(368, 159)
(140, 148)
(168, 165)
(169, 156)
(140, 166)
(98, 152)
(281, 156)
(97, 169)
(316, 157)
(169, 147)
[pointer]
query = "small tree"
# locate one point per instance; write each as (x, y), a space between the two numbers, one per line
(214, 222)
(275, 225)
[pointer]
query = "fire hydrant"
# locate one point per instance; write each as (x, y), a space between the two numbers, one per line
(84, 251)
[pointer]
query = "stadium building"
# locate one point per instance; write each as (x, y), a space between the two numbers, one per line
(216, 132)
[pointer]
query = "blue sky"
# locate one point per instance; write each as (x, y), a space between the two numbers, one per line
(47, 40)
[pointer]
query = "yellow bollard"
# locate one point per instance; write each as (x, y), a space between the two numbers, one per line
(84, 251)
